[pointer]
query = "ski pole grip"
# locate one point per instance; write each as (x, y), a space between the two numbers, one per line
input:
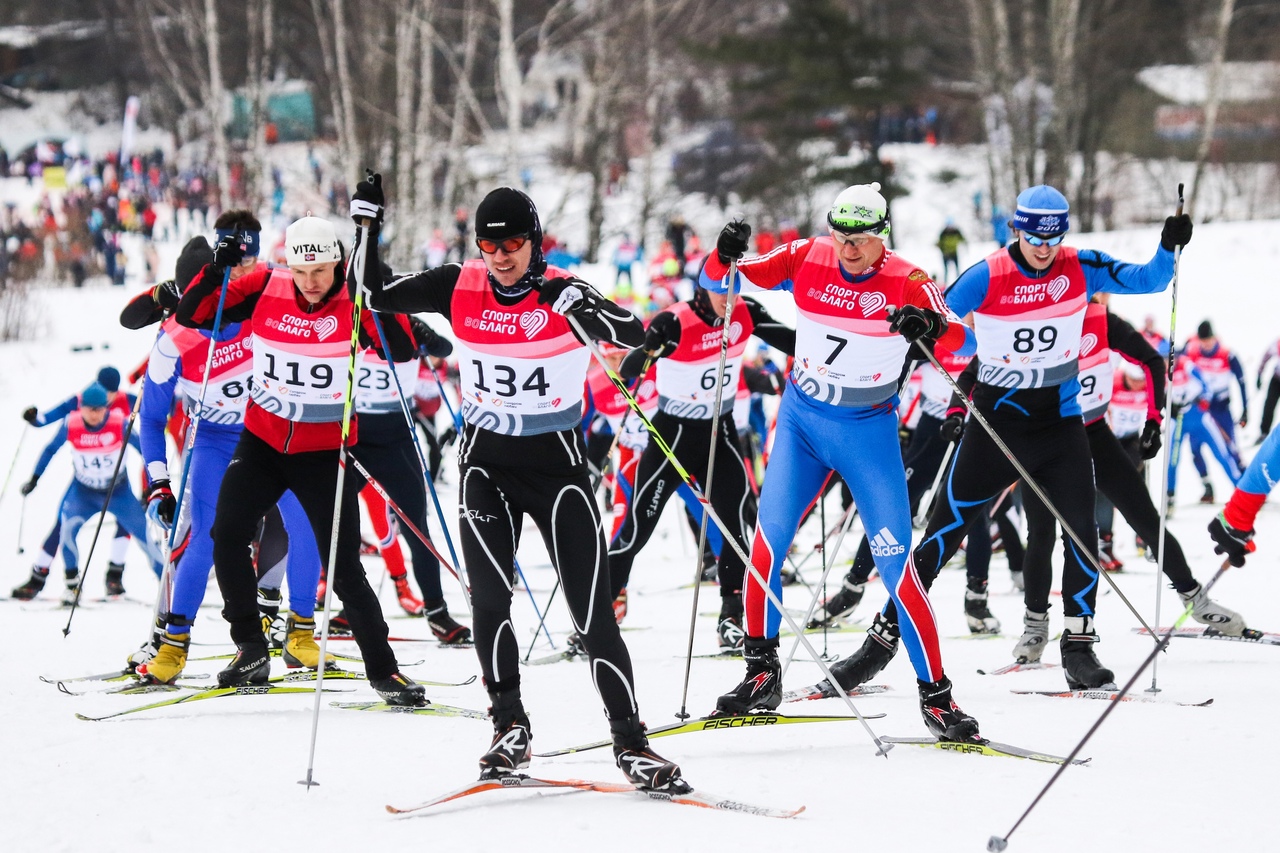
(1179, 211)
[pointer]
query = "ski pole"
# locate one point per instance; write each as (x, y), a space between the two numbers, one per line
(358, 266)
(1033, 485)
(4, 490)
(422, 462)
(999, 843)
(542, 614)
(1169, 432)
(882, 748)
(926, 503)
(408, 522)
(543, 622)
(22, 516)
(725, 328)
(115, 477)
(813, 601)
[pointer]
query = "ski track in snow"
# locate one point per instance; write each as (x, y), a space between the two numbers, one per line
(201, 774)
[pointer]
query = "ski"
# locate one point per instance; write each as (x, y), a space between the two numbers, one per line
(275, 653)
(517, 781)
(135, 687)
(702, 724)
(346, 636)
(1017, 667)
(824, 691)
(723, 654)
(983, 747)
(567, 654)
(430, 709)
(217, 693)
(1108, 695)
(1250, 635)
(117, 675)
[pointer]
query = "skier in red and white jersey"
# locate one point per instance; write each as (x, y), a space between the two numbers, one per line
(522, 453)
(303, 325)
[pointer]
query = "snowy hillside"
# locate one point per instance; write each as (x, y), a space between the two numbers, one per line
(218, 774)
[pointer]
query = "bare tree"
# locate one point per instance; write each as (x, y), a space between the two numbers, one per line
(1213, 98)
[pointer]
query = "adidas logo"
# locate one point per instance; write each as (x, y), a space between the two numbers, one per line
(884, 545)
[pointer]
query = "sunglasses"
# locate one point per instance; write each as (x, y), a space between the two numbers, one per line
(508, 245)
(858, 240)
(1044, 241)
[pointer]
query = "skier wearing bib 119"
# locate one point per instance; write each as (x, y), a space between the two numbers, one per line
(1029, 302)
(859, 309)
(522, 372)
(303, 321)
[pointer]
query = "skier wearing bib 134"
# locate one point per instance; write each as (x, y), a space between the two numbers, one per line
(1029, 303)
(859, 308)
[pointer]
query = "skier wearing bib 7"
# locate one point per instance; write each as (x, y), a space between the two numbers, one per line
(860, 307)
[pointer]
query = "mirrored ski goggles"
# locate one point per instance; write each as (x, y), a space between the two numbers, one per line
(1036, 240)
(508, 245)
(858, 240)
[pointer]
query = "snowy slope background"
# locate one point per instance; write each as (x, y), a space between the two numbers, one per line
(200, 775)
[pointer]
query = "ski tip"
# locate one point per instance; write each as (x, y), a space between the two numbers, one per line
(996, 844)
(392, 810)
(80, 716)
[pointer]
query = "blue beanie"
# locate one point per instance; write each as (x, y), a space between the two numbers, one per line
(109, 379)
(1041, 210)
(94, 397)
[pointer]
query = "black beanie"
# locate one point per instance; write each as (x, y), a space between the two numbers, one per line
(195, 256)
(507, 212)
(1204, 330)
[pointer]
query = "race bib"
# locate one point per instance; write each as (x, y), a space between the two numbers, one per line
(516, 396)
(845, 368)
(298, 387)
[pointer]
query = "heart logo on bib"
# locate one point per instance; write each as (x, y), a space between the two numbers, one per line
(325, 327)
(735, 332)
(247, 343)
(533, 322)
(871, 303)
(1058, 287)
(1087, 343)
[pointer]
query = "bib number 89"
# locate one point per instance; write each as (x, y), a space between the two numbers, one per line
(1024, 340)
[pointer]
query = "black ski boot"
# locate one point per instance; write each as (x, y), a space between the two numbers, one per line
(252, 665)
(762, 688)
(643, 767)
(445, 628)
(115, 579)
(1079, 663)
(398, 689)
(512, 745)
(872, 656)
(980, 618)
(729, 628)
(1207, 497)
(841, 604)
(942, 715)
(32, 587)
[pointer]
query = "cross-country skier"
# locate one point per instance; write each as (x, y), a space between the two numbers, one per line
(95, 433)
(860, 307)
(1029, 302)
(175, 368)
(1218, 365)
(1197, 425)
(1232, 529)
(522, 453)
(685, 342)
(302, 333)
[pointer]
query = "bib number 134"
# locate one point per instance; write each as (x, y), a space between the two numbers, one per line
(504, 380)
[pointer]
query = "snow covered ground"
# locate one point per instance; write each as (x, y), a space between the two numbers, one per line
(201, 775)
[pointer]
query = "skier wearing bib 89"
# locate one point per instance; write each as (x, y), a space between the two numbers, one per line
(176, 366)
(302, 329)
(1029, 302)
(860, 307)
(685, 341)
(522, 369)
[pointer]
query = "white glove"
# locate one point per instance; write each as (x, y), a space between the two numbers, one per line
(361, 209)
(568, 298)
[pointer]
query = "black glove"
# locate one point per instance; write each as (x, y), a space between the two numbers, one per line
(660, 339)
(427, 341)
(1235, 544)
(1177, 231)
(161, 495)
(448, 437)
(570, 294)
(952, 428)
(29, 415)
(166, 295)
(367, 202)
(731, 245)
(914, 323)
(30, 486)
(229, 252)
(1150, 441)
